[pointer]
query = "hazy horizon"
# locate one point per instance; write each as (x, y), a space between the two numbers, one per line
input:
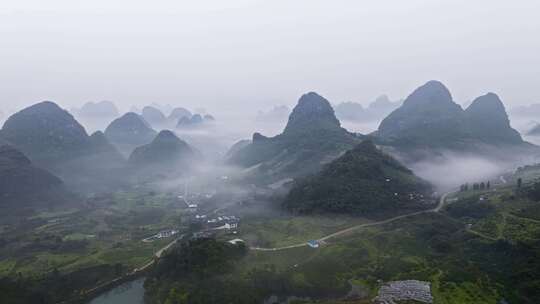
(251, 55)
(271, 194)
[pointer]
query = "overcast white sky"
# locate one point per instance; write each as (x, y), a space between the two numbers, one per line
(245, 55)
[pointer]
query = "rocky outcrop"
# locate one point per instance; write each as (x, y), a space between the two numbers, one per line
(312, 112)
(487, 120)
(427, 116)
(313, 136)
(430, 119)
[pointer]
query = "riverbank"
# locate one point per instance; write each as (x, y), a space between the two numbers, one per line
(131, 292)
(101, 289)
(95, 292)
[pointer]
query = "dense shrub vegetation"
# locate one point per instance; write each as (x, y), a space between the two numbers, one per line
(470, 207)
(55, 286)
(362, 181)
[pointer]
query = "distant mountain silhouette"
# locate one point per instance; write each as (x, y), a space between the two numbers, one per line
(377, 110)
(102, 109)
(364, 181)
(351, 111)
(165, 109)
(178, 113)
(313, 136)
(153, 116)
(382, 103)
(195, 121)
(130, 129)
(96, 115)
(165, 148)
(166, 155)
(383, 106)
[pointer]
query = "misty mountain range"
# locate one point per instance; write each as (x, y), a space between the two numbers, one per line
(269, 152)
(345, 111)
(314, 168)
(427, 123)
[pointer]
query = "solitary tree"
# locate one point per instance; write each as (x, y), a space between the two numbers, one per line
(519, 181)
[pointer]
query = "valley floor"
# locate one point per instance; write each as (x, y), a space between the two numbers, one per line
(478, 247)
(474, 258)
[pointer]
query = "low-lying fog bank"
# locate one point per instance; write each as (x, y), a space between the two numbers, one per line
(445, 171)
(451, 170)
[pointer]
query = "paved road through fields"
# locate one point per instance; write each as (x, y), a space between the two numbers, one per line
(438, 208)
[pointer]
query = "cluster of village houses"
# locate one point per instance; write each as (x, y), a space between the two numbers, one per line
(213, 222)
(220, 222)
(210, 223)
(161, 235)
(409, 290)
(217, 224)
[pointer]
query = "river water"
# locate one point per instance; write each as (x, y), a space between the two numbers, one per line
(126, 293)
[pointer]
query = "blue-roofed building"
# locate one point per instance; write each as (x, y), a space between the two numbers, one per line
(313, 244)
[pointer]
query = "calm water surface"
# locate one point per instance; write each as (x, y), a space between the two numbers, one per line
(127, 293)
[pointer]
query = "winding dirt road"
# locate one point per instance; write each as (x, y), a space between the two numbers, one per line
(438, 208)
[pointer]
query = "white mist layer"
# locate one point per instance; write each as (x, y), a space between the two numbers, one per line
(452, 170)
